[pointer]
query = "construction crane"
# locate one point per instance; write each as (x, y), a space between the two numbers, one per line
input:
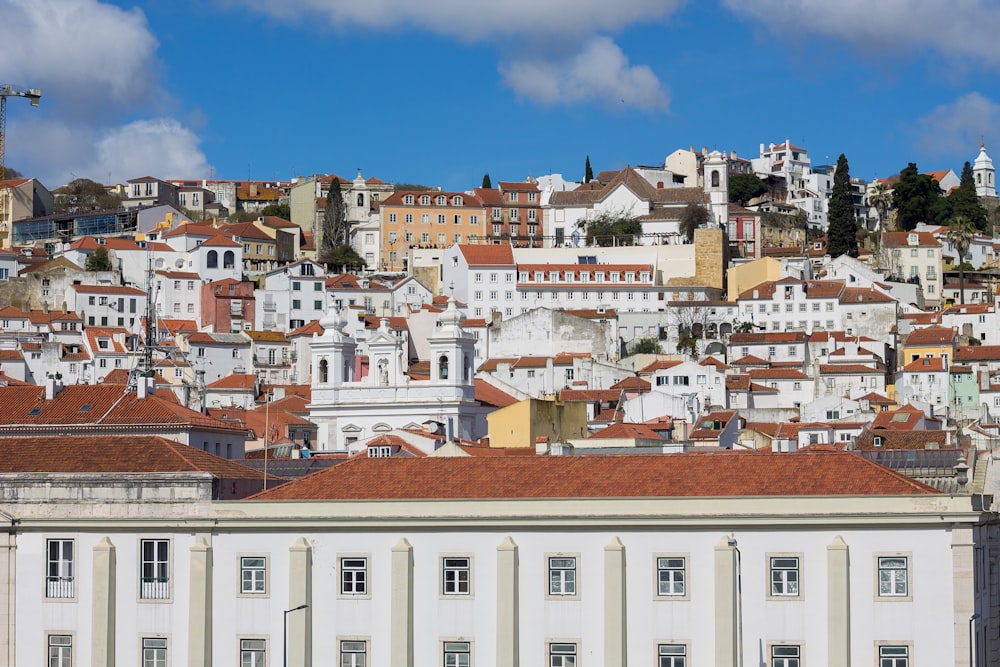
(7, 90)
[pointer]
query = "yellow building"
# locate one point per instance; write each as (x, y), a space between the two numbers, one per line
(930, 342)
(521, 424)
(745, 276)
(429, 219)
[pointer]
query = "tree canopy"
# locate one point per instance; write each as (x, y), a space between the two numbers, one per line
(588, 173)
(917, 198)
(283, 211)
(99, 261)
(342, 258)
(334, 230)
(487, 183)
(842, 230)
(84, 194)
(692, 217)
(744, 187)
(10, 172)
(611, 229)
(965, 202)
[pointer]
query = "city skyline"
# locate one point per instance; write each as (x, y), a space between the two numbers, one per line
(440, 95)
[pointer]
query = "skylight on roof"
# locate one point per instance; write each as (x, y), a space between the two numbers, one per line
(35, 411)
(900, 418)
(86, 408)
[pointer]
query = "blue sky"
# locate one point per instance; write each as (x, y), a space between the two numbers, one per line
(440, 92)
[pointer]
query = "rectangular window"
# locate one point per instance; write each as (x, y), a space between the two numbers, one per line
(893, 656)
(562, 655)
(784, 576)
(457, 654)
(253, 652)
(154, 652)
(670, 576)
(456, 575)
(353, 653)
(155, 570)
(562, 575)
(253, 575)
(893, 576)
(60, 651)
(785, 656)
(354, 576)
(59, 578)
(672, 655)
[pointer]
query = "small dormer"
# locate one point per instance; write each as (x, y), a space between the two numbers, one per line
(912, 239)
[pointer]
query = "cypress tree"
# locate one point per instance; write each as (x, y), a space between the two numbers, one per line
(588, 173)
(334, 232)
(842, 232)
(965, 201)
(487, 183)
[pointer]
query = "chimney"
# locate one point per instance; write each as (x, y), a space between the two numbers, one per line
(53, 385)
(541, 444)
(145, 386)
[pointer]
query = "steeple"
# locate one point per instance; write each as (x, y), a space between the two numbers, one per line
(984, 173)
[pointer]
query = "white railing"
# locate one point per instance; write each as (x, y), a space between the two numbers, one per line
(155, 589)
(59, 587)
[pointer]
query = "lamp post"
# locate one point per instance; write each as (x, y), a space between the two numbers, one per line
(284, 642)
(972, 638)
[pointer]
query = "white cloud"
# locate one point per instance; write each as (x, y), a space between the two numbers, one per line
(964, 32)
(600, 72)
(466, 19)
(540, 40)
(950, 129)
(96, 65)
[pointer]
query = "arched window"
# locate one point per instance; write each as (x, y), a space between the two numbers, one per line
(361, 199)
(213, 259)
(715, 178)
(443, 367)
(229, 259)
(324, 373)
(425, 200)
(979, 179)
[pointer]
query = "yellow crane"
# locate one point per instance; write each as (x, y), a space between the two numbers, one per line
(7, 90)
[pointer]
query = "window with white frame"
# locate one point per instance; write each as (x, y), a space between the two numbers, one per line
(353, 653)
(784, 576)
(893, 656)
(785, 655)
(562, 655)
(59, 577)
(893, 576)
(154, 652)
(353, 576)
(671, 576)
(60, 651)
(672, 655)
(253, 652)
(457, 654)
(253, 575)
(155, 571)
(456, 575)
(562, 575)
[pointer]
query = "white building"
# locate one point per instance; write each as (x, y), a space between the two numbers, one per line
(292, 296)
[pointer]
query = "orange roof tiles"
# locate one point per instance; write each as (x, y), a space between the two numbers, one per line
(488, 255)
(716, 474)
(931, 336)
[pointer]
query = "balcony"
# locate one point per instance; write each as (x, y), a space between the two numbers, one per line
(155, 588)
(270, 307)
(59, 587)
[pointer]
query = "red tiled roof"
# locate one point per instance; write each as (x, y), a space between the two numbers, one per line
(490, 395)
(235, 381)
(925, 365)
(931, 336)
(621, 430)
(716, 474)
(488, 255)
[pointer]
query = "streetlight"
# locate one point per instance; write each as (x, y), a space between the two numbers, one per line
(972, 638)
(284, 642)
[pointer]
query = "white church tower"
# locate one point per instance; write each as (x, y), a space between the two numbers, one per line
(716, 175)
(349, 410)
(984, 174)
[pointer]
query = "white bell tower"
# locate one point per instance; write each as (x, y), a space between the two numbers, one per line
(984, 174)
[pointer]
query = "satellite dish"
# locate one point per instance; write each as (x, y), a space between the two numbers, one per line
(179, 263)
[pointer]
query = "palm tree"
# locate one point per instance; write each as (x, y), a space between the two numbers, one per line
(880, 199)
(960, 234)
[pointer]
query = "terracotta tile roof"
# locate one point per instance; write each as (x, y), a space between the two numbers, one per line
(235, 381)
(903, 419)
(768, 338)
(660, 365)
(876, 398)
(108, 289)
(593, 313)
(12, 313)
(968, 353)
(738, 382)
(931, 336)
(776, 374)
(111, 454)
(117, 376)
(716, 474)
(968, 309)
(621, 430)
(488, 255)
(925, 365)
(487, 394)
(919, 439)
(849, 369)
(632, 383)
(901, 240)
(864, 295)
(749, 360)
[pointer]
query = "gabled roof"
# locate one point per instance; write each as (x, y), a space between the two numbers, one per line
(622, 430)
(716, 474)
(488, 255)
(931, 336)
(925, 365)
(240, 381)
(487, 394)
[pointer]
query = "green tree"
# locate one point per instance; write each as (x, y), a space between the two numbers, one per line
(342, 258)
(692, 217)
(10, 173)
(915, 198)
(83, 194)
(334, 229)
(965, 202)
(283, 211)
(647, 346)
(961, 231)
(611, 229)
(99, 260)
(842, 232)
(588, 173)
(880, 199)
(744, 187)
(487, 183)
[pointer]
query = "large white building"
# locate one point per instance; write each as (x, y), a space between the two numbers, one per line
(688, 559)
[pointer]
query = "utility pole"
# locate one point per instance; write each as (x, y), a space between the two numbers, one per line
(33, 95)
